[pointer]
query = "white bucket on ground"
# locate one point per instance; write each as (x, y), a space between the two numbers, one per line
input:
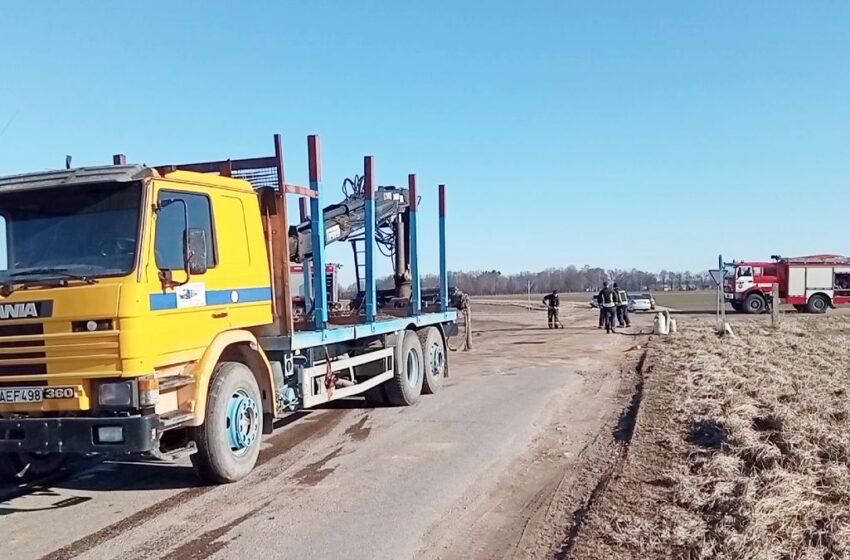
(660, 324)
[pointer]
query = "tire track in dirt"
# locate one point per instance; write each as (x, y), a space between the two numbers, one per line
(292, 437)
(129, 523)
(531, 526)
(210, 542)
(555, 489)
(251, 488)
(623, 434)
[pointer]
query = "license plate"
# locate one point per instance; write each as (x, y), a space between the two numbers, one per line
(9, 395)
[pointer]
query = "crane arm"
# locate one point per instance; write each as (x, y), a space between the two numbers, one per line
(348, 218)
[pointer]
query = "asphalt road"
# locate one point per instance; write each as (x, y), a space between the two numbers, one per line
(348, 481)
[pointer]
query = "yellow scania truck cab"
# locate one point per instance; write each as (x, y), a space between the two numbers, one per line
(147, 312)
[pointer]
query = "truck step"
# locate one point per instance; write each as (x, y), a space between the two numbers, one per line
(157, 456)
(172, 419)
(175, 382)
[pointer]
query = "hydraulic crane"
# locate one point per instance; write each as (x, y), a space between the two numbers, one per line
(346, 221)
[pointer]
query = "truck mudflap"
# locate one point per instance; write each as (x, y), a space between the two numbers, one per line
(105, 435)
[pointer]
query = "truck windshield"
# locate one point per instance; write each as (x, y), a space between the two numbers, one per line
(63, 232)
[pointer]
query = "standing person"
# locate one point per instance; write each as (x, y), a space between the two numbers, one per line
(601, 310)
(553, 304)
(622, 307)
(609, 306)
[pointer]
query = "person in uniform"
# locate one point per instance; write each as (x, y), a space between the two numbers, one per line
(553, 304)
(609, 301)
(622, 307)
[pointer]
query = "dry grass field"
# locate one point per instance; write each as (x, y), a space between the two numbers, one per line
(741, 449)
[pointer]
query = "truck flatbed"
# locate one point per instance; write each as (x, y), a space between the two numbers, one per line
(336, 334)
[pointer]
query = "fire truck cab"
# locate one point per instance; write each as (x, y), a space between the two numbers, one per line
(748, 284)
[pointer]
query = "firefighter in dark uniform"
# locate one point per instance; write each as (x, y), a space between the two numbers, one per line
(622, 307)
(553, 304)
(609, 300)
(601, 310)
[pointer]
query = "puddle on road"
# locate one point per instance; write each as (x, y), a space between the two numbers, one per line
(314, 473)
(359, 431)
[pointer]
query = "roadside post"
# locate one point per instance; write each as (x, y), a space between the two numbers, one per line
(718, 275)
(774, 306)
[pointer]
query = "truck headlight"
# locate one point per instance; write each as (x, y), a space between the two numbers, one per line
(115, 394)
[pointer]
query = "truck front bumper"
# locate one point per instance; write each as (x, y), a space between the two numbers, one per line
(138, 434)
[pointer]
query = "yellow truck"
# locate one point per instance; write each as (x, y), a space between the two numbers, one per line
(147, 311)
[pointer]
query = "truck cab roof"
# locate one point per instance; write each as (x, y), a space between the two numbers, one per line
(115, 174)
(57, 178)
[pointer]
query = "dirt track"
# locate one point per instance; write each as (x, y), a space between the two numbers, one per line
(490, 468)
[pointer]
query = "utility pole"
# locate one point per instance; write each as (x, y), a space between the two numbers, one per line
(529, 295)
(774, 306)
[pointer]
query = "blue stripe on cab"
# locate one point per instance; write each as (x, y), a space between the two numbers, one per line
(163, 301)
(215, 297)
(244, 295)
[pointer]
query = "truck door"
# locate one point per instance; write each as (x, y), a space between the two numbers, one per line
(744, 278)
(187, 312)
(182, 322)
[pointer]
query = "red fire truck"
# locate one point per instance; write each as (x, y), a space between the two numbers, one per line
(811, 284)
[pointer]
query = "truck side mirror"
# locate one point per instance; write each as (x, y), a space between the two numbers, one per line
(195, 251)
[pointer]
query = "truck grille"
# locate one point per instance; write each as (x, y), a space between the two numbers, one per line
(26, 349)
(29, 350)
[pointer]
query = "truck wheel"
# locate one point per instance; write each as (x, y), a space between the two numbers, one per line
(755, 304)
(818, 303)
(229, 439)
(26, 467)
(406, 385)
(434, 352)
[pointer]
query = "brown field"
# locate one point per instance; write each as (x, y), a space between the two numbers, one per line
(741, 449)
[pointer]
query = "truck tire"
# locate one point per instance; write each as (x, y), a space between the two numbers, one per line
(406, 385)
(818, 303)
(436, 366)
(229, 439)
(26, 467)
(755, 304)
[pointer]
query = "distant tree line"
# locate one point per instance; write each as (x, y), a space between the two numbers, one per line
(568, 279)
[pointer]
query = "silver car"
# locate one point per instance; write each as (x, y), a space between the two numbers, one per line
(641, 302)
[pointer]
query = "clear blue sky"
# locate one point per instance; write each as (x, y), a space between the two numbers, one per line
(635, 134)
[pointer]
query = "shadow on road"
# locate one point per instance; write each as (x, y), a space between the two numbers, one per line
(60, 491)
(86, 475)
